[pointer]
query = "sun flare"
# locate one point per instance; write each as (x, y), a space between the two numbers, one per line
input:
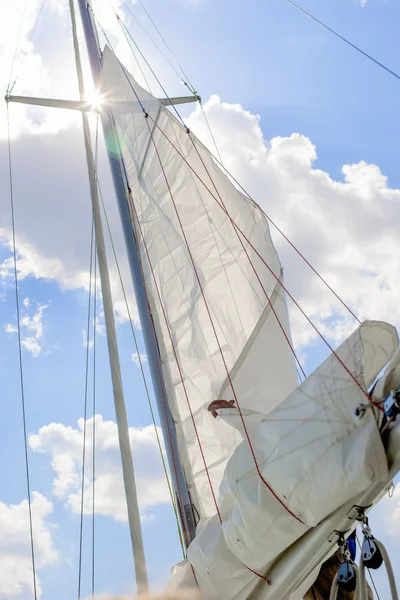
(95, 99)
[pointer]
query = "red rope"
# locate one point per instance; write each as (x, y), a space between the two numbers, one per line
(288, 240)
(267, 581)
(251, 262)
(135, 218)
(266, 264)
(216, 338)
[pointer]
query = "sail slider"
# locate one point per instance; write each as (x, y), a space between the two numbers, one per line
(87, 106)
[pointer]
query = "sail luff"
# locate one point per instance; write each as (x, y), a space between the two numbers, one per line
(121, 189)
(135, 526)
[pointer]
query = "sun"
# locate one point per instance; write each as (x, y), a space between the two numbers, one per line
(95, 99)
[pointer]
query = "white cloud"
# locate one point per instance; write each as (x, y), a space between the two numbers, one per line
(363, 3)
(15, 551)
(31, 328)
(53, 218)
(31, 74)
(135, 358)
(337, 224)
(347, 229)
(58, 251)
(46, 74)
(85, 339)
(388, 513)
(100, 328)
(64, 444)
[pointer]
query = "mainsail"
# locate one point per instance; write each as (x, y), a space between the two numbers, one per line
(220, 314)
(285, 457)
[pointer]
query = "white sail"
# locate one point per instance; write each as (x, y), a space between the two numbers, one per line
(314, 455)
(249, 314)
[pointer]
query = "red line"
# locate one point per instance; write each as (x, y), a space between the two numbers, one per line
(251, 262)
(217, 339)
(265, 263)
(288, 240)
(267, 581)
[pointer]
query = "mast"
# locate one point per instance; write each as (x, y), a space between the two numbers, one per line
(182, 495)
(135, 526)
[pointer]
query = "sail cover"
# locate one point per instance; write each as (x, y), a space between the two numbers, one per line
(218, 310)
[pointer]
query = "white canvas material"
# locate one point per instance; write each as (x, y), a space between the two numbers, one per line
(311, 454)
(253, 346)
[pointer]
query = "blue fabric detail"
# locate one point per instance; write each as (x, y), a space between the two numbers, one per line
(352, 547)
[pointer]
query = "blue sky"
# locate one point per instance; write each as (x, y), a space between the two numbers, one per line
(273, 62)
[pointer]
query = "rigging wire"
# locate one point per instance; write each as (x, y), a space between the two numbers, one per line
(9, 89)
(324, 339)
(211, 134)
(299, 365)
(173, 501)
(146, 115)
(17, 45)
(21, 371)
(187, 538)
(157, 47)
(92, 243)
(152, 71)
(219, 161)
(94, 376)
(156, 150)
(135, 57)
(94, 427)
(188, 84)
(308, 263)
(182, 75)
(134, 218)
(299, 8)
(131, 49)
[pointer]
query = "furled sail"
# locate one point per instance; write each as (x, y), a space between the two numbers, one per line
(314, 456)
(220, 314)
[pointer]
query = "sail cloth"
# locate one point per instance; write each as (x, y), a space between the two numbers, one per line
(315, 455)
(312, 454)
(247, 304)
